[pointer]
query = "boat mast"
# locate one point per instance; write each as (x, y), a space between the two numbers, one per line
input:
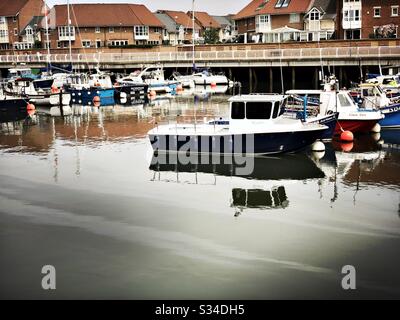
(69, 32)
(193, 37)
(46, 13)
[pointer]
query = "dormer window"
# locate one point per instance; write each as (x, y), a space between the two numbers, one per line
(282, 3)
(315, 15)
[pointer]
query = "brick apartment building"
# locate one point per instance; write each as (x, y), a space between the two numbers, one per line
(363, 19)
(104, 25)
(20, 23)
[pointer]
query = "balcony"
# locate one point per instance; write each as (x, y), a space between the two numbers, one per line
(263, 28)
(351, 24)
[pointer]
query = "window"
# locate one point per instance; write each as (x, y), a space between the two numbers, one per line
(294, 17)
(282, 3)
(395, 11)
(263, 19)
(275, 111)
(377, 12)
(237, 110)
(352, 15)
(97, 30)
(119, 43)
(111, 29)
(14, 19)
(141, 31)
(258, 110)
(2, 20)
(63, 32)
(86, 43)
(15, 32)
(344, 102)
(314, 15)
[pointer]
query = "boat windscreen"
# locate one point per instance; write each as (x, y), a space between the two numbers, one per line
(237, 110)
(259, 110)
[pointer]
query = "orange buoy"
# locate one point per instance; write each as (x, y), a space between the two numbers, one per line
(30, 107)
(96, 101)
(31, 112)
(213, 84)
(179, 87)
(153, 93)
(347, 136)
(54, 89)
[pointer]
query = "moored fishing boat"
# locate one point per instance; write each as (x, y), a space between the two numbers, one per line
(25, 88)
(12, 108)
(373, 95)
(89, 89)
(255, 126)
(351, 117)
(154, 77)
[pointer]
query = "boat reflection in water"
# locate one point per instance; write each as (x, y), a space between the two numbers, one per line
(262, 188)
(259, 199)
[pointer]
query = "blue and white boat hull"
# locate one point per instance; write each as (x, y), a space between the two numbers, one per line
(392, 116)
(259, 143)
(85, 96)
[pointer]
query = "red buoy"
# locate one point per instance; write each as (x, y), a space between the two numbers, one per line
(347, 147)
(54, 89)
(347, 136)
(213, 84)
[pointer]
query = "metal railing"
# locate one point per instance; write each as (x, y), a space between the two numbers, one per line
(209, 56)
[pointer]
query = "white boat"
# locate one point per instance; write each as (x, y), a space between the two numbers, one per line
(370, 95)
(387, 82)
(186, 81)
(154, 77)
(330, 99)
(255, 126)
(25, 88)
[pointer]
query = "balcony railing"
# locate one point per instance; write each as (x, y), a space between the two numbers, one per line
(213, 56)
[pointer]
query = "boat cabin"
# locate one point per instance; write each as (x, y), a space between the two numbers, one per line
(372, 95)
(324, 101)
(100, 80)
(16, 73)
(256, 108)
(386, 81)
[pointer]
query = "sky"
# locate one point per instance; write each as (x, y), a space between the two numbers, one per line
(216, 7)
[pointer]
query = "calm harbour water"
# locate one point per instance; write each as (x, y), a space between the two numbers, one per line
(80, 193)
